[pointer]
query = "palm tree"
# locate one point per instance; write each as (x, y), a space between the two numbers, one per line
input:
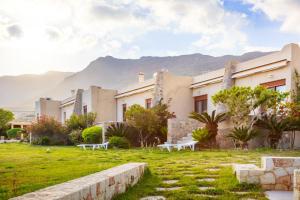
(275, 128)
(211, 122)
(243, 135)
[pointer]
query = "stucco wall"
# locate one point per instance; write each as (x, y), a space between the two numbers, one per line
(177, 89)
(263, 77)
(69, 111)
(132, 99)
(50, 108)
(103, 102)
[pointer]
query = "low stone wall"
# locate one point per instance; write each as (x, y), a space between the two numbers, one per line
(276, 173)
(297, 184)
(103, 185)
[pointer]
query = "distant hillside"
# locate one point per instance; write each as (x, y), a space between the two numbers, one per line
(19, 92)
(107, 72)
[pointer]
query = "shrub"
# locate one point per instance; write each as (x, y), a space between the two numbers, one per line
(117, 129)
(211, 123)
(14, 132)
(243, 135)
(44, 140)
(119, 142)
(50, 128)
(92, 134)
(201, 135)
(80, 121)
(75, 137)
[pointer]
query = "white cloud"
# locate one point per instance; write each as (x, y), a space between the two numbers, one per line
(285, 11)
(54, 29)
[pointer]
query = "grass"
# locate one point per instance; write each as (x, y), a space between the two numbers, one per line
(25, 168)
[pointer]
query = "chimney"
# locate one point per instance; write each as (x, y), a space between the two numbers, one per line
(141, 77)
(72, 92)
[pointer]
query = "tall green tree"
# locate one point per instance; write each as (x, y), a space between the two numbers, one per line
(243, 101)
(5, 117)
(145, 121)
(161, 110)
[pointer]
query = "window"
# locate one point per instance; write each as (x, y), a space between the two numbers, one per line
(65, 116)
(85, 109)
(200, 105)
(148, 103)
(278, 85)
(124, 111)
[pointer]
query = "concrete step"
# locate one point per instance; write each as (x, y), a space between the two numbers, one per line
(279, 195)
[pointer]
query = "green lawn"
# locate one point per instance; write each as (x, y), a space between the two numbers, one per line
(25, 168)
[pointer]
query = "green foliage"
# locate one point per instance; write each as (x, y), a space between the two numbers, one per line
(117, 129)
(201, 135)
(243, 135)
(92, 135)
(211, 123)
(80, 121)
(241, 101)
(44, 140)
(14, 132)
(145, 121)
(75, 137)
(49, 127)
(275, 127)
(162, 112)
(5, 117)
(119, 142)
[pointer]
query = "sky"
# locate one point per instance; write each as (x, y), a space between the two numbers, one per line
(37, 36)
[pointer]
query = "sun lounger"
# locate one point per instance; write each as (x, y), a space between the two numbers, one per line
(94, 146)
(178, 146)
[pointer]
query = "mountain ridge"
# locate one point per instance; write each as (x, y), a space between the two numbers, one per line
(107, 72)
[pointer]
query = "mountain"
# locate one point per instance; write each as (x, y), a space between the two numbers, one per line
(107, 72)
(20, 92)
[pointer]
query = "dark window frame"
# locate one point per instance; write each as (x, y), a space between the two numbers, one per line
(204, 102)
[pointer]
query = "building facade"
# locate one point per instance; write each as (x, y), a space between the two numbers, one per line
(95, 99)
(183, 93)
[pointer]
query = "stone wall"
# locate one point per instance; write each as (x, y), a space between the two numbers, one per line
(180, 128)
(276, 173)
(103, 185)
(297, 184)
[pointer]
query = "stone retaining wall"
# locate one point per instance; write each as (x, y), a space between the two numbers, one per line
(103, 185)
(276, 173)
(297, 184)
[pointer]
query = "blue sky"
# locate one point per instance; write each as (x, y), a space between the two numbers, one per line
(67, 35)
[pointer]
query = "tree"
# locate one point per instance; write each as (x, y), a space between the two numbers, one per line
(243, 135)
(80, 122)
(211, 123)
(144, 120)
(161, 110)
(243, 101)
(275, 127)
(5, 117)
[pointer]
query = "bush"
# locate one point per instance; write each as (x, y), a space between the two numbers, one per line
(14, 132)
(75, 137)
(50, 128)
(117, 129)
(92, 134)
(201, 135)
(119, 142)
(44, 140)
